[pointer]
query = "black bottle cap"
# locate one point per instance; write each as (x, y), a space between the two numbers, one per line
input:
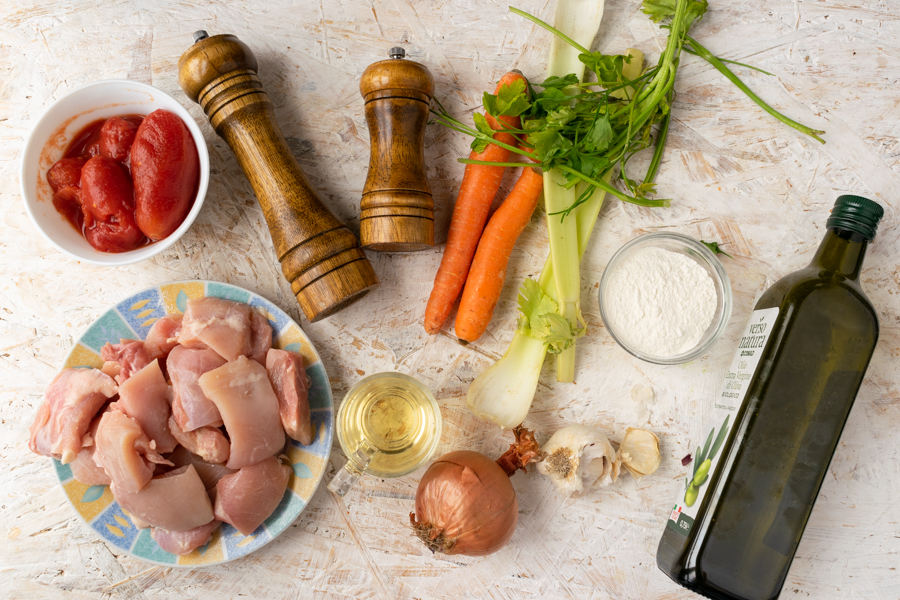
(856, 214)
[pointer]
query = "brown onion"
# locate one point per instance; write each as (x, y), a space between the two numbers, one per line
(465, 502)
(465, 505)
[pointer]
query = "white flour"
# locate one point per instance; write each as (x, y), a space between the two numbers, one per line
(660, 302)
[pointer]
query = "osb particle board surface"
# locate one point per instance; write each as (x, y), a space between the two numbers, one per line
(736, 176)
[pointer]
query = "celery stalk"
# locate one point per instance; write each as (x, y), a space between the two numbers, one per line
(563, 234)
(586, 217)
(579, 20)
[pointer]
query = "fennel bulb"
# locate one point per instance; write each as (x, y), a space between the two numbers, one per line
(502, 394)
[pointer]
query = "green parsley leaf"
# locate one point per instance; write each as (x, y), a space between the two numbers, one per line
(607, 67)
(559, 82)
(481, 124)
(551, 99)
(714, 246)
(549, 143)
(599, 135)
(660, 9)
(511, 100)
(592, 166)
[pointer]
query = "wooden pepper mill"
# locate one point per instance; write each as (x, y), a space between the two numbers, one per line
(397, 210)
(318, 254)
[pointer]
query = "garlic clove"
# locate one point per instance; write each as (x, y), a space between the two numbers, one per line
(578, 457)
(639, 452)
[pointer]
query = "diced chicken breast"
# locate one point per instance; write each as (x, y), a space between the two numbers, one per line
(209, 473)
(243, 394)
(222, 325)
(84, 468)
(184, 542)
(191, 407)
(247, 498)
(176, 501)
(291, 386)
(112, 368)
(208, 443)
(145, 398)
(260, 336)
(70, 403)
(163, 336)
(131, 355)
(124, 451)
(139, 523)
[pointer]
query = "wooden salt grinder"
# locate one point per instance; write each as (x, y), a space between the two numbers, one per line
(397, 211)
(318, 254)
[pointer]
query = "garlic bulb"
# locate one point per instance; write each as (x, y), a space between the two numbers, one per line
(639, 452)
(577, 457)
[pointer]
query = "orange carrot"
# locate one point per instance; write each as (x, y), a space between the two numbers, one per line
(479, 186)
(488, 272)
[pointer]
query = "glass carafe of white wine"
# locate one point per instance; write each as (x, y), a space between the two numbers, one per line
(388, 425)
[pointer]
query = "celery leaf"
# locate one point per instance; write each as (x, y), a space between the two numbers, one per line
(540, 319)
(533, 304)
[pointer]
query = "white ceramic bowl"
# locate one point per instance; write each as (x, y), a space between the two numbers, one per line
(52, 134)
(696, 251)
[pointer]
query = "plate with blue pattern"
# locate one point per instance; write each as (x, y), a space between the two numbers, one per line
(132, 318)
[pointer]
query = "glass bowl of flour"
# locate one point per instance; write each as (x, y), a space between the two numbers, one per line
(665, 298)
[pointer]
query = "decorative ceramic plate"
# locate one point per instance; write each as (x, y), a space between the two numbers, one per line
(132, 318)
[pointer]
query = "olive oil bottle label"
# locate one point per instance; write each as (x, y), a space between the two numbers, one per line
(734, 390)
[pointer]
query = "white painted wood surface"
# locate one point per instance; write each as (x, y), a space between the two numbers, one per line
(736, 176)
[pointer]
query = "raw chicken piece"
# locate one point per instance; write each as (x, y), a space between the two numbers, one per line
(209, 473)
(124, 451)
(184, 542)
(139, 523)
(247, 498)
(163, 336)
(244, 397)
(111, 368)
(291, 386)
(208, 443)
(260, 336)
(191, 408)
(176, 501)
(145, 398)
(222, 325)
(70, 403)
(84, 468)
(131, 355)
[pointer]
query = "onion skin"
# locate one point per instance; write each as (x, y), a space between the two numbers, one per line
(465, 505)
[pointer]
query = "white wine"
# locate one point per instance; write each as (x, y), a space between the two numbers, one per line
(391, 419)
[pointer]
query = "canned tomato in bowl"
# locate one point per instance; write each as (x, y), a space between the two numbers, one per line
(52, 136)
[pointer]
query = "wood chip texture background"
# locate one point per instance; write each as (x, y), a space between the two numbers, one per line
(736, 176)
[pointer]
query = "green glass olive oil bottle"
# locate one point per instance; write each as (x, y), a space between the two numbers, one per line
(758, 467)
